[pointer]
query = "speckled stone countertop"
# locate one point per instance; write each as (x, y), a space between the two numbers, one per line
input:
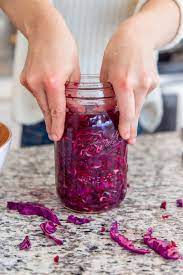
(155, 174)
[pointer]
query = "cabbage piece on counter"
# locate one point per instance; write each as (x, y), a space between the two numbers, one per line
(30, 208)
(125, 242)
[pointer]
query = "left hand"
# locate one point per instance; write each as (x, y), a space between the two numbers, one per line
(129, 64)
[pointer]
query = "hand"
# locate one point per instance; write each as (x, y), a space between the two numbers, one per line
(51, 61)
(130, 66)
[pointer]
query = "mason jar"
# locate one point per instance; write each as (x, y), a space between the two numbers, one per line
(91, 158)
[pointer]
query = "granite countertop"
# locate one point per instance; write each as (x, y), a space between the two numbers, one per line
(155, 174)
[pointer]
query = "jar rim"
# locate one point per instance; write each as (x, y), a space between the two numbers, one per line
(88, 82)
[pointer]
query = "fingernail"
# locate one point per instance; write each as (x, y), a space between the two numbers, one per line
(133, 141)
(126, 135)
(50, 137)
(54, 137)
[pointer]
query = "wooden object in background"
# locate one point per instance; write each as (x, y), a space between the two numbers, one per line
(4, 134)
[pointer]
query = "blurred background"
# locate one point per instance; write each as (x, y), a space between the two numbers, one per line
(170, 68)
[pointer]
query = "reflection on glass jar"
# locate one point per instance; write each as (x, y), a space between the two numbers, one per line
(91, 158)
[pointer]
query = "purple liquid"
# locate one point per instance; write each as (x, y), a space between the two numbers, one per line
(91, 162)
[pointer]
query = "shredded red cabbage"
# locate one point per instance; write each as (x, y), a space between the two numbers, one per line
(56, 259)
(124, 242)
(91, 162)
(56, 241)
(48, 229)
(29, 208)
(26, 244)
(164, 217)
(163, 205)
(168, 250)
(102, 229)
(77, 220)
(179, 203)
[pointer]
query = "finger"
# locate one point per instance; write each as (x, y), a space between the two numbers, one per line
(55, 92)
(23, 75)
(133, 131)
(154, 83)
(76, 75)
(126, 104)
(139, 101)
(24, 81)
(104, 72)
(36, 89)
(72, 105)
(43, 104)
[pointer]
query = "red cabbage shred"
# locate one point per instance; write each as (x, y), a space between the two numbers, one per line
(179, 203)
(124, 242)
(163, 205)
(168, 250)
(25, 244)
(102, 229)
(164, 217)
(91, 162)
(29, 208)
(77, 220)
(56, 259)
(48, 229)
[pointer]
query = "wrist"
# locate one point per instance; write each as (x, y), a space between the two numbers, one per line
(46, 21)
(137, 29)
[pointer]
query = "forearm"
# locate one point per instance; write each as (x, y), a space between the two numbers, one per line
(28, 16)
(158, 21)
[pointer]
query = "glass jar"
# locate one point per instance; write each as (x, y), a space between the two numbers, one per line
(91, 157)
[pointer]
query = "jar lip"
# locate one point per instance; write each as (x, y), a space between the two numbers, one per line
(88, 82)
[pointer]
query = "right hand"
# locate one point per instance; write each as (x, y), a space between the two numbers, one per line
(52, 60)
